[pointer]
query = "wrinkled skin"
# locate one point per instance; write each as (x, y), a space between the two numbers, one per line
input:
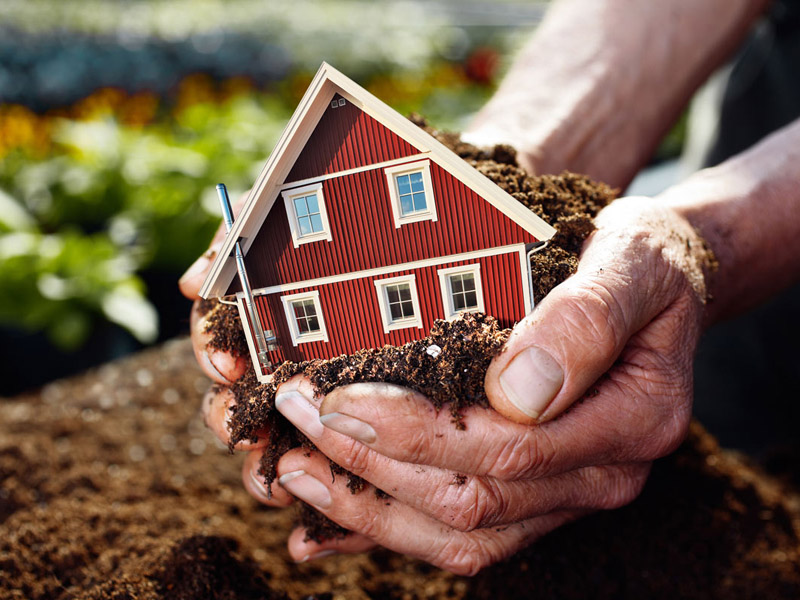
(622, 332)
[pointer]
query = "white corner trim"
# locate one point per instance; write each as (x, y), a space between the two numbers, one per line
(297, 337)
(248, 334)
(423, 166)
(450, 312)
(527, 281)
(294, 226)
(383, 302)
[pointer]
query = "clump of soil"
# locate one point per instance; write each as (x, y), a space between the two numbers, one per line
(225, 327)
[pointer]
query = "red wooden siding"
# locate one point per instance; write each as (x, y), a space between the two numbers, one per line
(347, 138)
(364, 235)
(352, 313)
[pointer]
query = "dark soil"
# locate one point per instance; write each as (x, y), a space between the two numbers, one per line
(111, 487)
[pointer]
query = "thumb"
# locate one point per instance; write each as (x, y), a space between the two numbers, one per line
(192, 280)
(637, 263)
(557, 352)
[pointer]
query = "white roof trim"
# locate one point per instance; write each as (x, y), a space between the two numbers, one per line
(265, 190)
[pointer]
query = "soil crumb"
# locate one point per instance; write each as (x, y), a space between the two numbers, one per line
(111, 488)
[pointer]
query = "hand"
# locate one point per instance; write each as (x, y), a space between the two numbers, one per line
(614, 344)
(221, 367)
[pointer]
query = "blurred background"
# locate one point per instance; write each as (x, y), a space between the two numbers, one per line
(118, 118)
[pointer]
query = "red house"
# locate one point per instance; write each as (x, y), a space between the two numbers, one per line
(362, 229)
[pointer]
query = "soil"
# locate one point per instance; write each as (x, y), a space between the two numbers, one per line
(111, 487)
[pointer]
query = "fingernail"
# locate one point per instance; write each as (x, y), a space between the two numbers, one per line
(350, 426)
(316, 555)
(532, 380)
(303, 415)
(259, 486)
(212, 367)
(307, 488)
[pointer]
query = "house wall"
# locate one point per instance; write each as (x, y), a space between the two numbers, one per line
(347, 138)
(352, 313)
(364, 235)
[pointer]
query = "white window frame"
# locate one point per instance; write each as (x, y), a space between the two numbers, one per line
(423, 166)
(383, 302)
(291, 215)
(302, 338)
(447, 293)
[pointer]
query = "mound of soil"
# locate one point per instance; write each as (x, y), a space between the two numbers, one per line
(111, 487)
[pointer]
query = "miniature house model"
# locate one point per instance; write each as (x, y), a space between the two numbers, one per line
(362, 230)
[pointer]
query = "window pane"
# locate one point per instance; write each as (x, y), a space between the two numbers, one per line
(406, 204)
(455, 283)
(408, 308)
(311, 310)
(298, 310)
(403, 185)
(300, 207)
(313, 204)
(313, 324)
(316, 223)
(471, 299)
(305, 225)
(302, 325)
(395, 311)
(458, 302)
(468, 280)
(419, 201)
(416, 181)
(405, 291)
(391, 292)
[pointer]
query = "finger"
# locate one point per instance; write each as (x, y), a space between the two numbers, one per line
(402, 424)
(638, 413)
(399, 527)
(577, 332)
(222, 367)
(192, 280)
(216, 413)
(303, 550)
(467, 502)
(271, 495)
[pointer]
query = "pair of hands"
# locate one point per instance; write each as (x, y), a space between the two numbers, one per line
(614, 343)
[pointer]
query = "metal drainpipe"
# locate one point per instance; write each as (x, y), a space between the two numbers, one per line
(262, 343)
(537, 247)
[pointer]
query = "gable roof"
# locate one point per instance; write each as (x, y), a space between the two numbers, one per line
(327, 82)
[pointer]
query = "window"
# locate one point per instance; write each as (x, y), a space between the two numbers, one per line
(398, 296)
(461, 290)
(398, 301)
(304, 317)
(308, 219)
(411, 192)
(306, 208)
